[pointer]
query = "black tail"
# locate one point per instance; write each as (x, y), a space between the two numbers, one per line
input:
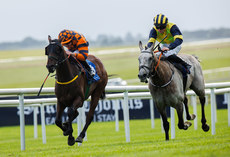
(112, 75)
(103, 95)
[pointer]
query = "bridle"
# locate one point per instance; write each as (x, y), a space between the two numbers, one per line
(153, 71)
(144, 66)
(58, 61)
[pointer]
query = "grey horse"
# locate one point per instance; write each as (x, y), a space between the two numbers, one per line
(166, 86)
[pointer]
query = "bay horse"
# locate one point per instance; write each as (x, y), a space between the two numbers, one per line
(166, 86)
(72, 89)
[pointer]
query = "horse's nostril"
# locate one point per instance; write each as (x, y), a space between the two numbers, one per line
(140, 76)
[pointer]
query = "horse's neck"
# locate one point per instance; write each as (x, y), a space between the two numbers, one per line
(65, 72)
(162, 73)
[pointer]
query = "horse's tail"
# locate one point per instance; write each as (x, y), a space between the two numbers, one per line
(103, 95)
(112, 75)
(196, 58)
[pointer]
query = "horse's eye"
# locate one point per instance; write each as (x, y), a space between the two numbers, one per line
(150, 59)
(58, 50)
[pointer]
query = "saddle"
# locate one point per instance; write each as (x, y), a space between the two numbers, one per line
(81, 66)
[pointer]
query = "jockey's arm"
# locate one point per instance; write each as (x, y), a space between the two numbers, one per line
(178, 38)
(73, 54)
(152, 37)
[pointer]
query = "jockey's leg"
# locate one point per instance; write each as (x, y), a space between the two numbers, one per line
(177, 59)
(172, 55)
(88, 68)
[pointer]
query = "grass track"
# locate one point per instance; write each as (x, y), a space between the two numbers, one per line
(103, 140)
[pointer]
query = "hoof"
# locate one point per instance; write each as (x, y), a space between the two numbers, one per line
(187, 125)
(193, 116)
(71, 141)
(79, 139)
(205, 127)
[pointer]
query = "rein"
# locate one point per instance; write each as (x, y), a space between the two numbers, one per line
(158, 61)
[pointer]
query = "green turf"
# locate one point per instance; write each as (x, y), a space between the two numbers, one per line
(103, 140)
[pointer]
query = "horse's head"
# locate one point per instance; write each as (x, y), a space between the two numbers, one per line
(56, 54)
(146, 60)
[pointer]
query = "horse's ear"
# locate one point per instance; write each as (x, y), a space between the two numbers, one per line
(140, 45)
(49, 38)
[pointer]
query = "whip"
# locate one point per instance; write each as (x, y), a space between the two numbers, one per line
(158, 45)
(43, 84)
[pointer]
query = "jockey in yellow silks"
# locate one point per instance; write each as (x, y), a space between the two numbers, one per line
(172, 43)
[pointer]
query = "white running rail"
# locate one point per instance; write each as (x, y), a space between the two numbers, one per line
(140, 92)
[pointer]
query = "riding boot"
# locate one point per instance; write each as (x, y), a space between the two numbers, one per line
(177, 59)
(88, 68)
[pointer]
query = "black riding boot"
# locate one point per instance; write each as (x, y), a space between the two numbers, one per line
(177, 59)
(88, 68)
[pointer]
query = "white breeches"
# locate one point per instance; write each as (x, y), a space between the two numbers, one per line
(170, 52)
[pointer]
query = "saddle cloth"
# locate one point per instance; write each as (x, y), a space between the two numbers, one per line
(89, 78)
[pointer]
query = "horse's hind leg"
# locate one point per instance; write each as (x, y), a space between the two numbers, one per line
(205, 126)
(188, 116)
(93, 104)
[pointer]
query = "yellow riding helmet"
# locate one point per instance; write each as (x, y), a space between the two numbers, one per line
(65, 36)
(160, 21)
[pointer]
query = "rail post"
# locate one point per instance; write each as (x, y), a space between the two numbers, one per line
(152, 113)
(116, 104)
(172, 115)
(193, 102)
(213, 113)
(126, 116)
(22, 121)
(43, 123)
(35, 122)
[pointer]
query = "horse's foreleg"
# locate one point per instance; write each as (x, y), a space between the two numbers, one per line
(165, 121)
(58, 120)
(188, 116)
(72, 114)
(89, 118)
(181, 124)
(205, 126)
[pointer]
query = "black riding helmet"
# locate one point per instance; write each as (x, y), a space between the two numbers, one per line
(160, 21)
